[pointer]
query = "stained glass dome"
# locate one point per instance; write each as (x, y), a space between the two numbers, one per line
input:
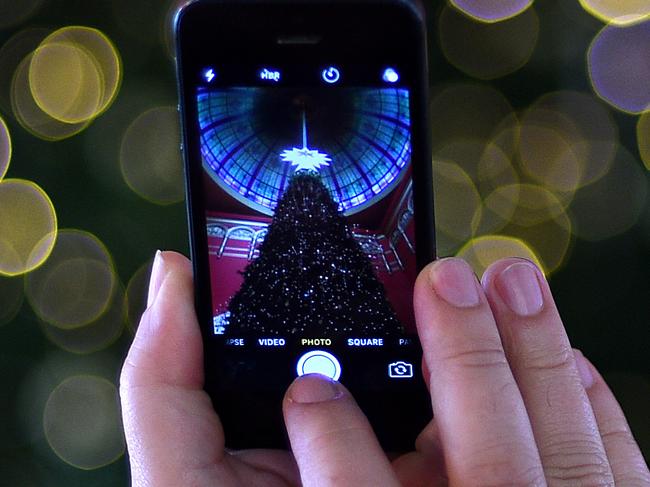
(254, 139)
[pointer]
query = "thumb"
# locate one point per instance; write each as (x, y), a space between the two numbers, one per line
(170, 426)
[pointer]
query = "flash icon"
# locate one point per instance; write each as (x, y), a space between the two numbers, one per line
(209, 75)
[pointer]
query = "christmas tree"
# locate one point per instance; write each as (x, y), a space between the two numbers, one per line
(311, 277)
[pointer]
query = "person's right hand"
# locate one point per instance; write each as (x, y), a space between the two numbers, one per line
(513, 403)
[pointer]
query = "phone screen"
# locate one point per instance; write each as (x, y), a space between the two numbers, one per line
(310, 217)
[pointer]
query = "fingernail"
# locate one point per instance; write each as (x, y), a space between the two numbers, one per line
(518, 286)
(157, 277)
(584, 370)
(313, 388)
(454, 281)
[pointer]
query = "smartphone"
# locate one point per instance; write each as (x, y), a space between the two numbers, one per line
(309, 192)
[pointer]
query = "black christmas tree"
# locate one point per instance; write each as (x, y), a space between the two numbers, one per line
(311, 276)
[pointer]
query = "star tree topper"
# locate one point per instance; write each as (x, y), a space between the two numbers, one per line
(305, 158)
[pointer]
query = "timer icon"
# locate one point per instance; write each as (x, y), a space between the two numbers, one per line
(331, 75)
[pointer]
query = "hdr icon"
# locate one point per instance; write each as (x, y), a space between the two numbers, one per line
(269, 75)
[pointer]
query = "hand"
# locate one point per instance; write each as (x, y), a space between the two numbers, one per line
(513, 403)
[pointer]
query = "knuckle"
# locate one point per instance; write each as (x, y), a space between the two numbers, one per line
(484, 356)
(545, 361)
(576, 461)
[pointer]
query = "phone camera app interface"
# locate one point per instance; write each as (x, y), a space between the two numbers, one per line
(310, 216)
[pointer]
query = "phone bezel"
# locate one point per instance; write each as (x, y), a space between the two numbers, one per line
(250, 28)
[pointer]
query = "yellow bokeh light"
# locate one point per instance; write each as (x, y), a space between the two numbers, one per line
(488, 51)
(150, 157)
(30, 115)
(103, 53)
(5, 148)
(524, 204)
(95, 336)
(618, 12)
(481, 252)
(550, 239)
(547, 149)
(82, 422)
(28, 227)
(136, 294)
(77, 283)
(470, 111)
(588, 126)
(457, 201)
(11, 298)
(65, 82)
(643, 138)
(614, 203)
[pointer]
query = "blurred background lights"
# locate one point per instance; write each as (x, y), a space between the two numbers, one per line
(547, 151)
(491, 10)
(95, 336)
(103, 54)
(76, 285)
(488, 50)
(5, 148)
(82, 422)
(150, 157)
(30, 116)
(28, 226)
(643, 138)
(619, 66)
(483, 251)
(619, 12)
(613, 204)
(11, 298)
(591, 130)
(65, 82)
(12, 52)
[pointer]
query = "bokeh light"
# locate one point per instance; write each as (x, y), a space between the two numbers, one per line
(457, 201)
(14, 12)
(76, 285)
(95, 336)
(105, 59)
(547, 150)
(11, 298)
(595, 140)
(12, 53)
(533, 215)
(471, 111)
(137, 292)
(5, 148)
(150, 157)
(82, 422)
(486, 164)
(614, 203)
(488, 50)
(491, 10)
(619, 67)
(618, 12)
(31, 116)
(65, 82)
(643, 138)
(28, 226)
(481, 252)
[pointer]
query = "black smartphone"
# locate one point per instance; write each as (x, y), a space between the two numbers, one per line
(310, 203)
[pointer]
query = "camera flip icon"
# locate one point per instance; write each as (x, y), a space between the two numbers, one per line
(400, 370)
